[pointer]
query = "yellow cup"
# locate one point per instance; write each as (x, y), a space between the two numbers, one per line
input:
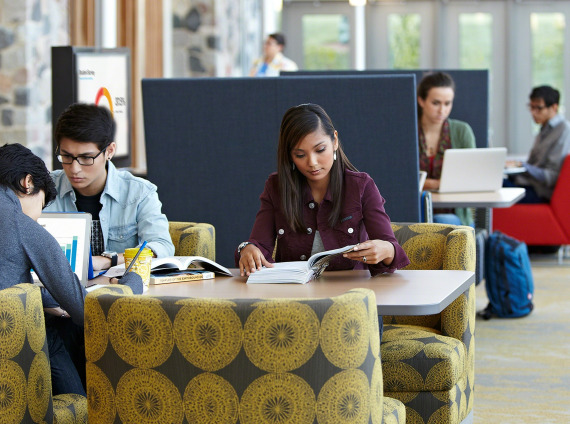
(142, 265)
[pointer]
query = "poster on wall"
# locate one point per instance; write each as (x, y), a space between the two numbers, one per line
(103, 79)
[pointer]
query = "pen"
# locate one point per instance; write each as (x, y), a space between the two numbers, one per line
(135, 258)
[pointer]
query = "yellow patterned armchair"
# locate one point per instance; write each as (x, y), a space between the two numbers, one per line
(184, 360)
(193, 239)
(25, 376)
(428, 361)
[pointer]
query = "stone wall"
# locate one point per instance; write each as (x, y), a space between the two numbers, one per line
(210, 37)
(28, 29)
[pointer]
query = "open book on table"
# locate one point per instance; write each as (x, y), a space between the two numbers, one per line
(299, 272)
(180, 263)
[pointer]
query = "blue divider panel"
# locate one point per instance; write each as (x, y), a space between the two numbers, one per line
(211, 143)
(471, 103)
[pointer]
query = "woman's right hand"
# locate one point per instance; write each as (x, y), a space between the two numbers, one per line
(251, 259)
(513, 164)
(431, 184)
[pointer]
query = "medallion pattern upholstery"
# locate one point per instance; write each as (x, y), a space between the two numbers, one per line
(25, 377)
(185, 360)
(428, 361)
(193, 239)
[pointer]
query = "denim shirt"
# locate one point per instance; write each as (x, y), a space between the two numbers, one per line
(130, 213)
(362, 218)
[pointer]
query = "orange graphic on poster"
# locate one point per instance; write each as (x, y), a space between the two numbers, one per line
(104, 92)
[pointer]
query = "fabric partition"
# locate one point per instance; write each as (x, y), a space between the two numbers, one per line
(211, 143)
(471, 102)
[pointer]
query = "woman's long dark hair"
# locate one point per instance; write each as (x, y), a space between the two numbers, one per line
(298, 122)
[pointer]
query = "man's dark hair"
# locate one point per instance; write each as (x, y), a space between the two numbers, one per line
(280, 38)
(16, 162)
(551, 96)
(86, 123)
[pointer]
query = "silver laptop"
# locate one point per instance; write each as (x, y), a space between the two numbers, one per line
(73, 233)
(470, 170)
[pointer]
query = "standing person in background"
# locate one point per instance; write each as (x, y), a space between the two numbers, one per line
(125, 209)
(551, 146)
(437, 133)
(273, 61)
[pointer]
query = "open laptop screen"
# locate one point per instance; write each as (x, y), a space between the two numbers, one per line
(73, 233)
(472, 170)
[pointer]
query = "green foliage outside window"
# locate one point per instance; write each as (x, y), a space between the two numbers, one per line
(547, 31)
(404, 41)
(326, 42)
(475, 40)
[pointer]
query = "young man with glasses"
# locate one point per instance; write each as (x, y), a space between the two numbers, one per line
(125, 209)
(551, 146)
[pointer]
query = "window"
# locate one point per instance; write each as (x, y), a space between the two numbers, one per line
(326, 42)
(404, 40)
(547, 32)
(475, 41)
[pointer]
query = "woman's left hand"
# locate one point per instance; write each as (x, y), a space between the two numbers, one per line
(372, 252)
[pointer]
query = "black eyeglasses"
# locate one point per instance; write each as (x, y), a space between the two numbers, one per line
(535, 107)
(81, 160)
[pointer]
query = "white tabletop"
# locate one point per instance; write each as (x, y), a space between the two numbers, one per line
(401, 293)
(502, 198)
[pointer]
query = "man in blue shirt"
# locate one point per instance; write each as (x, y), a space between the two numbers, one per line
(551, 146)
(125, 209)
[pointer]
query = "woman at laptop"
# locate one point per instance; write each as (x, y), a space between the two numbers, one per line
(25, 189)
(318, 201)
(437, 133)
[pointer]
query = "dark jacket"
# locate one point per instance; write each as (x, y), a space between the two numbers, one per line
(362, 218)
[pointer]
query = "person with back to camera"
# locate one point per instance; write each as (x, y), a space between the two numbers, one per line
(437, 133)
(318, 201)
(25, 188)
(550, 148)
(125, 209)
(273, 61)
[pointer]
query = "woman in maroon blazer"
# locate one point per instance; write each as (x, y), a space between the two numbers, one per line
(319, 201)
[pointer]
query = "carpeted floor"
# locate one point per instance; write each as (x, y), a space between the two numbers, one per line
(522, 366)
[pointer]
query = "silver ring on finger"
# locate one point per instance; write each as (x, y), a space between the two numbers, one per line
(364, 259)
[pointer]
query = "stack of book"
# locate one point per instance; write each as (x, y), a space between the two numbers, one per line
(176, 269)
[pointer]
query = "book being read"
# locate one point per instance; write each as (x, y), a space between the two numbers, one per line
(180, 263)
(299, 272)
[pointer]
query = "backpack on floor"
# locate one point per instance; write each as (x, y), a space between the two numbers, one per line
(481, 236)
(508, 277)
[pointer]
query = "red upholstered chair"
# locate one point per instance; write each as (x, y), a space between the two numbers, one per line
(542, 223)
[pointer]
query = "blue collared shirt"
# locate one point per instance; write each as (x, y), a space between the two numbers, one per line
(130, 213)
